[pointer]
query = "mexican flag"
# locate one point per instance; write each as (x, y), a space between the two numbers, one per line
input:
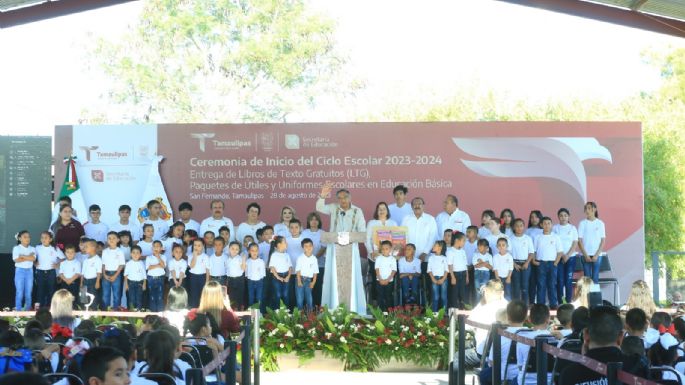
(71, 188)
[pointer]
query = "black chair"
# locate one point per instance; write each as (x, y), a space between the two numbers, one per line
(530, 366)
(202, 354)
(484, 357)
(72, 378)
(42, 365)
(188, 358)
(605, 266)
(511, 354)
(572, 345)
(159, 378)
(657, 373)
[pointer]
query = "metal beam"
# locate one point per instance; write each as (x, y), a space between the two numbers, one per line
(637, 4)
(51, 9)
(608, 14)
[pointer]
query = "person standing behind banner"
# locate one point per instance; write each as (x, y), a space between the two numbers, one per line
(452, 218)
(422, 231)
(94, 228)
(400, 208)
(217, 220)
(591, 241)
(66, 229)
(569, 242)
(283, 227)
(381, 217)
(161, 226)
(125, 224)
(313, 232)
(185, 211)
(252, 224)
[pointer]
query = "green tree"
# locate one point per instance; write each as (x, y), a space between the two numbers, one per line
(220, 61)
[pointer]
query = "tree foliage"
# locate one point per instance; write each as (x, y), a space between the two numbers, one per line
(220, 61)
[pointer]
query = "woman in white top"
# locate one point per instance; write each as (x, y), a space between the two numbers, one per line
(283, 228)
(591, 239)
(313, 231)
(567, 265)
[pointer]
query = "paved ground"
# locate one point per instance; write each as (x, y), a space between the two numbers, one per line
(347, 378)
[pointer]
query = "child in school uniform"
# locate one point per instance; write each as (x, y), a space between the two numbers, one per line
(456, 261)
(235, 270)
(386, 267)
(125, 244)
(495, 235)
(156, 271)
(198, 274)
(48, 258)
(503, 265)
(482, 265)
(470, 248)
(217, 262)
(23, 255)
(485, 218)
(177, 266)
(135, 278)
(70, 271)
(410, 273)
(255, 273)
(438, 272)
(95, 229)
(113, 262)
(548, 251)
(91, 272)
(307, 269)
(148, 237)
(294, 250)
(523, 251)
(281, 269)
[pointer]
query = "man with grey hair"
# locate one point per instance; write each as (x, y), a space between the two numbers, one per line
(452, 218)
(217, 220)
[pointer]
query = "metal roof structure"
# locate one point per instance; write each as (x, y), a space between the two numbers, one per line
(18, 12)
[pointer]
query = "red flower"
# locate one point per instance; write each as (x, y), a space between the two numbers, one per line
(442, 323)
(409, 343)
(307, 324)
(269, 326)
(58, 330)
(192, 314)
(422, 338)
(380, 340)
(345, 334)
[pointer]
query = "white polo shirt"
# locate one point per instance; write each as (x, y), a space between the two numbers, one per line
(132, 227)
(478, 258)
(91, 267)
(413, 267)
(492, 241)
(547, 246)
(591, 232)
(294, 249)
(567, 233)
(437, 264)
(307, 266)
(168, 245)
(213, 225)
(177, 266)
(245, 229)
(217, 265)
(483, 232)
(521, 247)
(457, 259)
(112, 259)
(192, 224)
(264, 249)
(503, 264)
(47, 256)
(422, 232)
(280, 261)
(457, 221)
(202, 261)
(255, 269)
(20, 250)
(145, 248)
(135, 270)
(399, 213)
(69, 268)
(152, 260)
(470, 249)
(385, 266)
(234, 266)
(315, 236)
(96, 231)
(161, 228)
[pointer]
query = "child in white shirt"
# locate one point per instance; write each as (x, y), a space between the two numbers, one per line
(307, 269)
(438, 270)
(217, 262)
(70, 271)
(177, 266)
(113, 261)
(156, 270)
(410, 273)
(281, 270)
(255, 273)
(91, 271)
(458, 270)
(235, 270)
(482, 264)
(386, 267)
(503, 265)
(23, 255)
(48, 258)
(135, 279)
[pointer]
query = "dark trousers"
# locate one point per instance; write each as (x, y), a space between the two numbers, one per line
(532, 283)
(135, 295)
(73, 288)
(281, 291)
(236, 291)
(318, 288)
(457, 292)
(90, 288)
(196, 282)
(45, 286)
(155, 289)
(385, 295)
(520, 281)
(254, 291)
(471, 287)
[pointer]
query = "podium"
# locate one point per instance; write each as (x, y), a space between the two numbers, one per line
(343, 242)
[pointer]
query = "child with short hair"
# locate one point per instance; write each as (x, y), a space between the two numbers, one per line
(457, 263)
(265, 243)
(113, 262)
(48, 258)
(125, 224)
(307, 269)
(485, 218)
(539, 319)
(185, 211)
(281, 269)
(636, 324)
(225, 233)
(255, 273)
(503, 265)
(70, 271)
(91, 272)
(438, 272)
(386, 267)
(135, 279)
(548, 251)
(447, 237)
(482, 265)
(564, 313)
(516, 315)
(523, 252)
(155, 266)
(235, 271)
(95, 229)
(23, 255)
(105, 366)
(217, 262)
(154, 208)
(410, 273)
(470, 248)
(177, 266)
